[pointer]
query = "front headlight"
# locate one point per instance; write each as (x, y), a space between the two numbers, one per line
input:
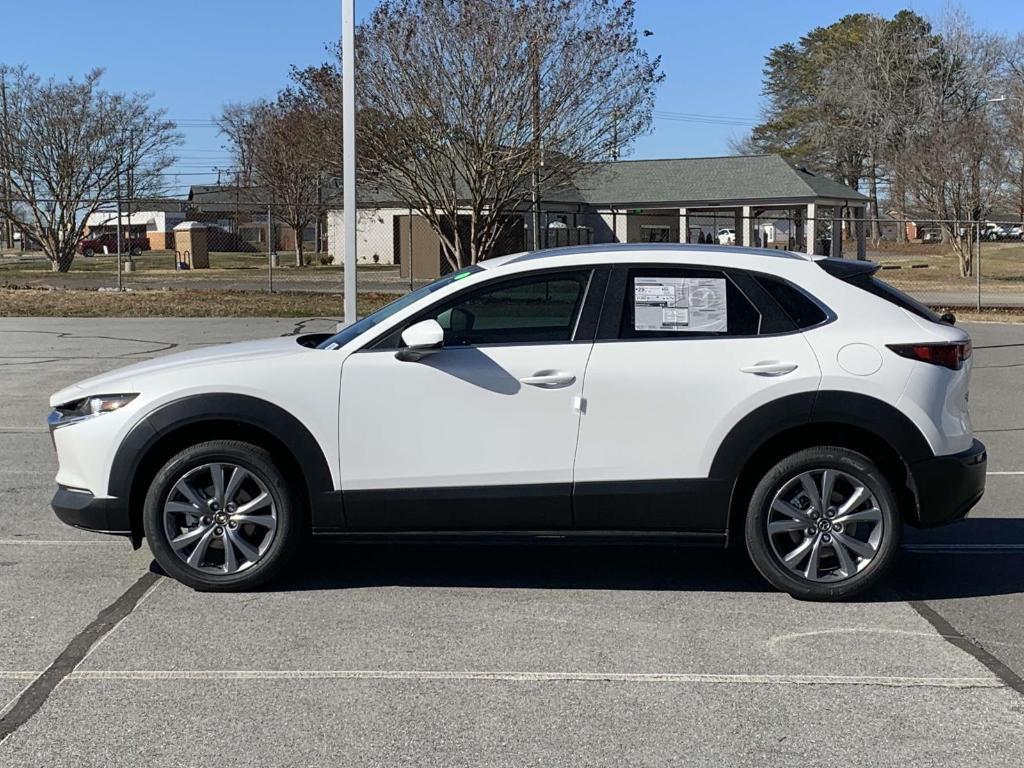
(87, 407)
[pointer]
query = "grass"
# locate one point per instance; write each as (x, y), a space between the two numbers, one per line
(43, 302)
(157, 263)
(1002, 267)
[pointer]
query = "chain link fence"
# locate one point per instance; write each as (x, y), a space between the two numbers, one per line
(240, 245)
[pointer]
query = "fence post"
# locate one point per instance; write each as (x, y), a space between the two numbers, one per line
(270, 250)
(119, 286)
(977, 265)
(411, 283)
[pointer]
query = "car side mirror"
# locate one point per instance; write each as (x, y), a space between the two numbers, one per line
(424, 338)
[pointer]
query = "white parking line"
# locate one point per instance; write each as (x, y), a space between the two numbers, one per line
(1005, 473)
(64, 542)
(18, 675)
(535, 677)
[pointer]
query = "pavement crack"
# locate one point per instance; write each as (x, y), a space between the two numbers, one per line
(300, 326)
(36, 694)
(957, 639)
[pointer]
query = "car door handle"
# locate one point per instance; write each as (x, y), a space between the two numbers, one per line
(770, 368)
(549, 379)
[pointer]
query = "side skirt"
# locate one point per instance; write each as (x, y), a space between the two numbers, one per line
(554, 538)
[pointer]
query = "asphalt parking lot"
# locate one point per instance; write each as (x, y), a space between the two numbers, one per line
(377, 654)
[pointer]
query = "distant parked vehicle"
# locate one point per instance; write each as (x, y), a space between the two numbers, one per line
(991, 231)
(727, 237)
(1014, 232)
(107, 243)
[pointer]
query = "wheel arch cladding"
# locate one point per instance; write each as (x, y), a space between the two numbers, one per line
(180, 423)
(845, 419)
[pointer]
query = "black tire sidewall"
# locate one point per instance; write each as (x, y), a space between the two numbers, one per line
(252, 458)
(756, 532)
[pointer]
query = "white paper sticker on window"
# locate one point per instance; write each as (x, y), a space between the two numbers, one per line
(679, 304)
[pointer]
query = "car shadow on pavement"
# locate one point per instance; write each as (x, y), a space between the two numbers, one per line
(343, 564)
(964, 565)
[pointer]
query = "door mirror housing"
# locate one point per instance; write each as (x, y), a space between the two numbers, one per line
(424, 338)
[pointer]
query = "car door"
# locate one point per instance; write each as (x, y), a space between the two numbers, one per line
(480, 435)
(682, 354)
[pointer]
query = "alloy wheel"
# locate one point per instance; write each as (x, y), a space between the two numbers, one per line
(220, 518)
(825, 525)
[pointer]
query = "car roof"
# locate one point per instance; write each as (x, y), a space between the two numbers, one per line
(638, 252)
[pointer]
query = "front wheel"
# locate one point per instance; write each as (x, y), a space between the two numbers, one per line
(823, 524)
(221, 516)
(136, 250)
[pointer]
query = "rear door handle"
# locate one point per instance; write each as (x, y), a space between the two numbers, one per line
(549, 379)
(770, 368)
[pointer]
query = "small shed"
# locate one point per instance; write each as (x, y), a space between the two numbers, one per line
(190, 246)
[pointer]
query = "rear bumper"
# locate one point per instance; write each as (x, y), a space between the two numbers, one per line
(948, 486)
(81, 509)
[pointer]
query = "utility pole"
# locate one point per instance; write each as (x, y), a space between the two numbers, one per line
(8, 230)
(348, 138)
(538, 160)
(118, 177)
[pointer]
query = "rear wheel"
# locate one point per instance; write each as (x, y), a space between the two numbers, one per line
(220, 515)
(88, 253)
(823, 524)
(135, 251)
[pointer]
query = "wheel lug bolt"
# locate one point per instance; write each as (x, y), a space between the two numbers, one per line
(809, 531)
(232, 508)
(207, 520)
(815, 515)
(218, 531)
(837, 527)
(826, 538)
(232, 524)
(831, 513)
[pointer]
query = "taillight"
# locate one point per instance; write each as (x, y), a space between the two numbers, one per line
(950, 356)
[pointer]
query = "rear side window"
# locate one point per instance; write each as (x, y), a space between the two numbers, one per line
(679, 302)
(801, 308)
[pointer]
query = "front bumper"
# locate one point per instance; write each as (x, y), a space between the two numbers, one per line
(81, 509)
(948, 486)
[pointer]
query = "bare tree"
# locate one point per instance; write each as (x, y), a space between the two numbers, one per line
(66, 144)
(279, 147)
(955, 162)
(471, 98)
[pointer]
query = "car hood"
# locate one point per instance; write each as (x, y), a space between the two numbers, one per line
(129, 378)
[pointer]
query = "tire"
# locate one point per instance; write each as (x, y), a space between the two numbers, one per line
(853, 548)
(88, 253)
(262, 535)
(135, 251)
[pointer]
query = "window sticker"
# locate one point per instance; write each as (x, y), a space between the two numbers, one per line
(679, 304)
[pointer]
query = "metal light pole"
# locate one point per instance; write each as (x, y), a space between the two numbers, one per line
(348, 135)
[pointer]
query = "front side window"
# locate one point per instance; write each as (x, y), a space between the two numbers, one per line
(540, 308)
(673, 302)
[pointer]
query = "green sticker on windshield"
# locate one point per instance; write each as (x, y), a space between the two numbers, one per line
(461, 275)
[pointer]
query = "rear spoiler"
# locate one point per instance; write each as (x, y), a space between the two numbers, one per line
(845, 269)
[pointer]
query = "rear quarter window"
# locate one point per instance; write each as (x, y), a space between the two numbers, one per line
(804, 311)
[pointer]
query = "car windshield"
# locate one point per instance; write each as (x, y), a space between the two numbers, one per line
(346, 335)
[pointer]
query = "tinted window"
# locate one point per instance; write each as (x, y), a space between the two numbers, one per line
(803, 311)
(674, 302)
(346, 335)
(540, 308)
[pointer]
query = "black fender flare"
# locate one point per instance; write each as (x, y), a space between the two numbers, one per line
(864, 412)
(325, 501)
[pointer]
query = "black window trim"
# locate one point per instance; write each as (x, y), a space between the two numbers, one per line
(584, 328)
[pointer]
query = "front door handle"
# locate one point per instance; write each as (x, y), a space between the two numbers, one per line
(549, 379)
(770, 368)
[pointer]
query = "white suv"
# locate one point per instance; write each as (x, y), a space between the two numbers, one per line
(674, 391)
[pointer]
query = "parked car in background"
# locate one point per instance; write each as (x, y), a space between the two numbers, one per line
(1014, 232)
(697, 393)
(727, 237)
(993, 231)
(107, 243)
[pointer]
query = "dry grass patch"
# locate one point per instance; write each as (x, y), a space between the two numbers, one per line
(42, 302)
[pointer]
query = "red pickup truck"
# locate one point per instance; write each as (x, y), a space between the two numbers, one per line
(107, 243)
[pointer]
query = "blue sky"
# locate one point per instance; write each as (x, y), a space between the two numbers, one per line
(195, 56)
